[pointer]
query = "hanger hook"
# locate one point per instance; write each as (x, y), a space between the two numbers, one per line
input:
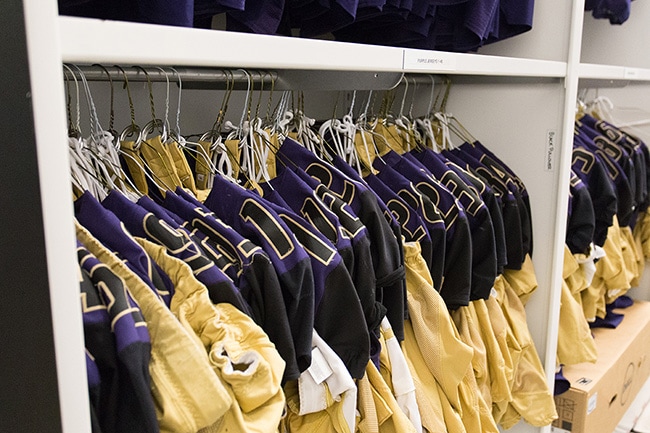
(74, 130)
(111, 121)
(132, 129)
(150, 87)
(406, 90)
(433, 86)
(166, 118)
(178, 110)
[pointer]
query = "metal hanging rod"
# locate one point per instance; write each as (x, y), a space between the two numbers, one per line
(220, 79)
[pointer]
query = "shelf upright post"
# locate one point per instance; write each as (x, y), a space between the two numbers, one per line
(42, 367)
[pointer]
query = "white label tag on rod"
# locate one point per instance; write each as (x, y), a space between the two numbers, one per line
(631, 73)
(429, 60)
(549, 154)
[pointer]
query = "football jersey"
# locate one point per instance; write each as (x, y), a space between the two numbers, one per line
(385, 248)
(246, 212)
(362, 272)
(634, 148)
(146, 225)
(109, 230)
(493, 205)
(458, 250)
(413, 228)
(223, 262)
(581, 220)
(257, 278)
(509, 206)
(617, 162)
(304, 201)
(339, 316)
(514, 184)
(117, 337)
(392, 296)
(589, 168)
(435, 224)
(99, 343)
(484, 254)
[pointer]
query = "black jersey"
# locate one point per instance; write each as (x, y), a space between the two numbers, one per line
(339, 316)
(117, 337)
(257, 278)
(247, 213)
(391, 295)
(515, 250)
(146, 225)
(514, 184)
(589, 168)
(385, 248)
(484, 254)
(458, 251)
(493, 205)
(110, 231)
(581, 220)
(363, 274)
(226, 264)
(618, 165)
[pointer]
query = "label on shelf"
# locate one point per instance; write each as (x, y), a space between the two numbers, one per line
(429, 60)
(549, 155)
(631, 73)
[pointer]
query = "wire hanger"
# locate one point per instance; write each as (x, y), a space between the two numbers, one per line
(424, 122)
(155, 122)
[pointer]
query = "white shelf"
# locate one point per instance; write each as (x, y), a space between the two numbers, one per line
(476, 64)
(592, 71)
(88, 40)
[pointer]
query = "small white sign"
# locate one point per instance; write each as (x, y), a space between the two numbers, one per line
(549, 154)
(591, 404)
(429, 60)
(631, 73)
(558, 430)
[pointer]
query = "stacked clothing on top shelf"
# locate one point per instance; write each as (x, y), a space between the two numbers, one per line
(616, 11)
(460, 25)
(381, 296)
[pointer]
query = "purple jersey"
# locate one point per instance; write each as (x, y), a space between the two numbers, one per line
(509, 205)
(484, 254)
(589, 168)
(247, 213)
(257, 280)
(458, 251)
(110, 231)
(146, 225)
(116, 335)
(339, 315)
(493, 205)
(581, 219)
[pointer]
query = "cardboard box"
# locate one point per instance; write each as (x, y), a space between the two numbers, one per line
(601, 393)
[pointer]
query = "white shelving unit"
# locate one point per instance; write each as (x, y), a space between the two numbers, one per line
(517, 96)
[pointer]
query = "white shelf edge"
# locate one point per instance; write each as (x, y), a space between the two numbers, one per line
(592, 71)
(89, 40)
(424, 61)
(86, 40)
